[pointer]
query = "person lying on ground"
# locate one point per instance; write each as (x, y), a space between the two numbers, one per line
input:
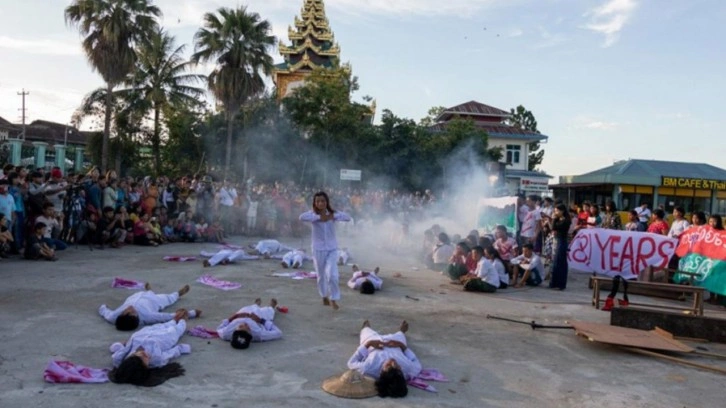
(294, 259)
(250, 323)
(227, 256)
(143, 308)
(367, 282)
(144, 358)
(268, 247)
(386, 358)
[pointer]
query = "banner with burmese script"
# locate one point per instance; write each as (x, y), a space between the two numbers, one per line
(703, 252)
(497, 211)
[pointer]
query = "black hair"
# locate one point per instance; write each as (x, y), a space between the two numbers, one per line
(700, 216)
(392, 383)
(484, 242)
(502, 228)
(133, 371)
(367, 288)
(444, 238)
(107, 209)
(660, 214)
(680, 210)
(127, 322)
(528, 246)
(494, 252)
(47, 205)
(479, 250)
(719, 221)
(39, 225)
(327, 201)
(563, 209)
(611, 204)
(464, 246)
(241, 339)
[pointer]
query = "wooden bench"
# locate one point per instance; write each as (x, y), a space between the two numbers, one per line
(655, 288)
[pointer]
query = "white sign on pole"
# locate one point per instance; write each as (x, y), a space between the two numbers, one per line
(351, 175)
(534, 184)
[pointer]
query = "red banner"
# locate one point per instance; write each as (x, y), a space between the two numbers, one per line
(703, 240)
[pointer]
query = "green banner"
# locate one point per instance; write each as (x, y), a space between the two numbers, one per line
(710, 273)
(497, 211)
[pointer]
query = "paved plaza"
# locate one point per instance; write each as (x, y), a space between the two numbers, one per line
(48, 310)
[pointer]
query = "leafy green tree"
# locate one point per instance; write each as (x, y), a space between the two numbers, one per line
(323, 111)
(184, 150)
(111, 29)
(161, 82)
(433, 113)
(524, 119)
(238, 43)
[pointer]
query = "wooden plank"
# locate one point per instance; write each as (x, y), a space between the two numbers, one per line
(677, 360)
(623, 336)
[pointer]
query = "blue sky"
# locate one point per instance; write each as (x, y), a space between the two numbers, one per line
(606, 79)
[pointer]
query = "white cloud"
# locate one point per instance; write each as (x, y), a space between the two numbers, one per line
(515, 32)
(610, 18)
(44, 47)
(600, 125)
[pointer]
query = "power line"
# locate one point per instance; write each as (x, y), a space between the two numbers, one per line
(22, 110)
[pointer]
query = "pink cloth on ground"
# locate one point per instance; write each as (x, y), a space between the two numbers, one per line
(180, 258)
(219, 284)
(203, 332)
(66, 372)
(127, 283)
(427, 374)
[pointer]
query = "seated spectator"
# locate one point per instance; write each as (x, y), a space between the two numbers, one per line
(53, 227)
(492, 255)
(485, 278)
(528, 268)
(6, 236)
(110, 228)
(142, 232)
(36, 248)
(458, 263)
(186, 227)
(215, 233)
(170, 233)
(441, 253)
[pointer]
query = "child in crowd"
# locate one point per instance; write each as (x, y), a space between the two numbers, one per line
(36, 248)
(505, 245)
(202, 226)
(215, 233)
(170, 231)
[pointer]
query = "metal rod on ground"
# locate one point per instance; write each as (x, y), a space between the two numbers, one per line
(676, 360)
(532, 324)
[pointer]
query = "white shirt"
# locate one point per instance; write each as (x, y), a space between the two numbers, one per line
(370, 361)
(548, 211)
(643, 214)
(270, 246)
(344, 255)
(486, 271)
(534, 264)
(227, 196)
(522, 212)
(442, 253)
(159, 341)
(260, 332)
(678, 227)
(323, 233)
(57, 198)
(501, 271)
(529, 225)
(358, 278)
(252, 208)
(147, 304)
(50, 223)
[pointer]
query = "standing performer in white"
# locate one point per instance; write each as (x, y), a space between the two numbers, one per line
(325, 246)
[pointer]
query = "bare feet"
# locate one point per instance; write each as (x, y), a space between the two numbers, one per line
(147, 286)
(335, 305)
(296, 265)
(198, 312)
(206, 263)
(258, 301)
(366, 323)
(404, 326)
(326, 301)
(184, 290)
(283, 264)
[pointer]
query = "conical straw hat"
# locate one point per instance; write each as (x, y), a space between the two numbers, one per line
(350, 384)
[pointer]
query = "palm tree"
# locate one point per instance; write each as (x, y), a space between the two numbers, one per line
(160, 82)
(111, 28)
(237, 42)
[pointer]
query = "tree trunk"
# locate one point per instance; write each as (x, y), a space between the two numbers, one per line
(228, 158)
(156, 142)
(106, 128)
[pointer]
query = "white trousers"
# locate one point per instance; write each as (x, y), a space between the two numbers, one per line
(326, 265)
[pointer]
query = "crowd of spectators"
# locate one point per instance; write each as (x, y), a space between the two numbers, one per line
(43, 212)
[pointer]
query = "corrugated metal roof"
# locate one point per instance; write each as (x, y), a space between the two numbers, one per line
(646, 172)
(476, 108)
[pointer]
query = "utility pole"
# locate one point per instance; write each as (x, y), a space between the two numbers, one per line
(22, 110)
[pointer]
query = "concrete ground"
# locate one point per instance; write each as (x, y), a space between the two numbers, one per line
(49, 311)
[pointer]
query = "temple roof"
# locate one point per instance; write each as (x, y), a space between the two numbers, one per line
(472, 108)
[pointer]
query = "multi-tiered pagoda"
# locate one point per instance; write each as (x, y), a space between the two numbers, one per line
(313, 46)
